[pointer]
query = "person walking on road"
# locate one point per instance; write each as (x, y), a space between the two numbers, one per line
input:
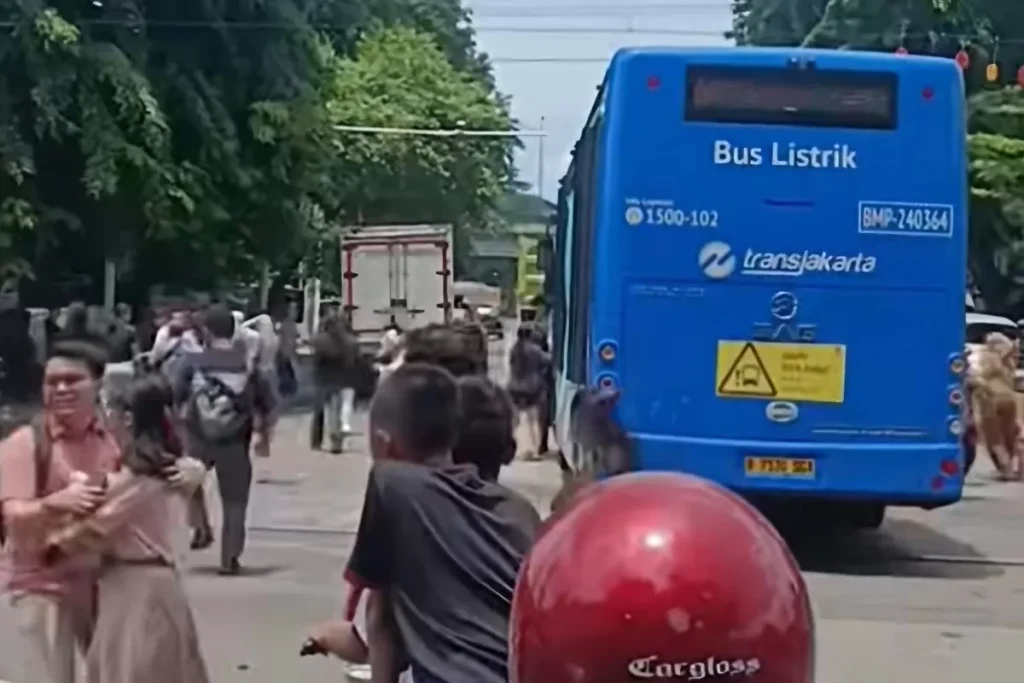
(287, 349)
(175, 339)
(267, 351)
(121, 335)
(528, 369)
(335, 361)
(50, 472)
(228, 403)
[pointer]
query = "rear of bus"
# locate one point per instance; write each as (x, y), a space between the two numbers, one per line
(781, 250)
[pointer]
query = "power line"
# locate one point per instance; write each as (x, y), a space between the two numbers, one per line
(609, 30)
(544, 11)
(333, 28)
(642, 6)
(568, 30)
(442, 133)
(549, 60)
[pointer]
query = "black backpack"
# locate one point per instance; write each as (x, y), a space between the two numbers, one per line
(43, 456)
(220, 414)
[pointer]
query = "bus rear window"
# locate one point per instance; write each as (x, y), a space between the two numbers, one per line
(791, 97)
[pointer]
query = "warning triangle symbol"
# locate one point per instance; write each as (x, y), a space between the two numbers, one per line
(748, 376)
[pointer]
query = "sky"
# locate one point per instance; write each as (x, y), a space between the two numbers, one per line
(550, 56)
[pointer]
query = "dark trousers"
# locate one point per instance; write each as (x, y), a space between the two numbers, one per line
(546, 417)
(316, 427)
(234, 483)
(328, 415)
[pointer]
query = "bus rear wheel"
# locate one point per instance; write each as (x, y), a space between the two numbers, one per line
(868, 516)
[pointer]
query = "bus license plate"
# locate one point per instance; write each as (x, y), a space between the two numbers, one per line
(779, 467)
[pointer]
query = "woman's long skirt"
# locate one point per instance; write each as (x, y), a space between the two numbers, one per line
(145, 632)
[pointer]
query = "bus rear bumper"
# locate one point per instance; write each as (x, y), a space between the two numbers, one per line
(891, 474)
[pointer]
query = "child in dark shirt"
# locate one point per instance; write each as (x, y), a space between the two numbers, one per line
(487, 428)
(441, 542)
(459, 348)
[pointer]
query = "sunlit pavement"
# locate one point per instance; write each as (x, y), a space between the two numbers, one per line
(880, 619)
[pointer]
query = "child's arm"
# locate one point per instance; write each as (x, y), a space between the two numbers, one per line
(381, 639)
(340, 638)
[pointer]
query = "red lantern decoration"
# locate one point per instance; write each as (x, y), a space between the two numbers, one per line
(1020, 77)
(963, 59)
(901, 50)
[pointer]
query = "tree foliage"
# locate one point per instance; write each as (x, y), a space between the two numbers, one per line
(939, 27)
(996, 150)
(996, 109)
(400, 78)
(193, 140)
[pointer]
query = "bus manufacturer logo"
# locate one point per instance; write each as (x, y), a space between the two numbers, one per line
(783, 307)
(717, 260)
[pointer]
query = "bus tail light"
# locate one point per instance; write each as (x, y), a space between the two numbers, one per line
(949, 467)
(606, 382)
(653, 83)
(956, 396)
(956, 427)
(607, 351)
(957, 364)
(927, 94)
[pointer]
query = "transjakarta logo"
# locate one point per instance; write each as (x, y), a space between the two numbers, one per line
(786, 155)
(718, 261)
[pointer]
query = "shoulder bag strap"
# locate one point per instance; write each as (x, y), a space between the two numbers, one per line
(226, 391)
(43, 454)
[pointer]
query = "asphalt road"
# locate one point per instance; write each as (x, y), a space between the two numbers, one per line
(936, 596)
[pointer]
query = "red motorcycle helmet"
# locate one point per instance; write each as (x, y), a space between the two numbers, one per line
(663, 577)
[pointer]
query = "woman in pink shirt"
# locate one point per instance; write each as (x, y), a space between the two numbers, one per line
(144, 630)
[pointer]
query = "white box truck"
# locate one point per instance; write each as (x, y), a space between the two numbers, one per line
(399, 274)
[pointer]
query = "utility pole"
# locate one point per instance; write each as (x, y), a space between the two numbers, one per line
(265, 286)
(540, 160)
(109, 284)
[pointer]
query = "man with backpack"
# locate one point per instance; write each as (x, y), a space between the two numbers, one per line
(228, 401)
(174, 340)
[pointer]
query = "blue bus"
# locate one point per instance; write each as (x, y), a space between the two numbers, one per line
(762, 254)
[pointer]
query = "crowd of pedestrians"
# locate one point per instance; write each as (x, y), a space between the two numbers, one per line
(453, 578)
(94, 490)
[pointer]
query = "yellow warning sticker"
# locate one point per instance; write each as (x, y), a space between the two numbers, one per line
(815, 373)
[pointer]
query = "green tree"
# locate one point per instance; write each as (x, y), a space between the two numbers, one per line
(182, 140)
(448, 21)
(400, 78)
(937, 27)
(997, 197)
(243, 83)
(195, 140)
(82, 137)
